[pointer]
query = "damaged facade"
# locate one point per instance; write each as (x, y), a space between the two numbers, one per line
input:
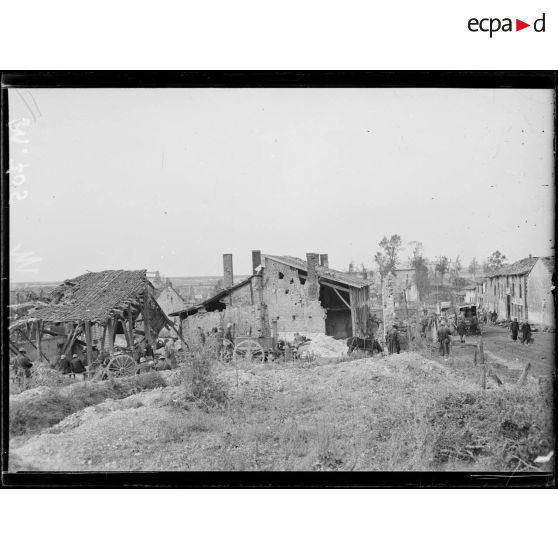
(301, 296)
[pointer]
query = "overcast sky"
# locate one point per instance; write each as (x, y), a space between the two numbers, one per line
(169, 179)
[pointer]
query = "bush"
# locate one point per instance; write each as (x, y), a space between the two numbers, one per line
(203, 384)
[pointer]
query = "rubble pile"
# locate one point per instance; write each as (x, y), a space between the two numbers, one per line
(321, 345)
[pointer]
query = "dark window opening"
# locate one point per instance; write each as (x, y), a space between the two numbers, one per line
(294, 317)
(286, 291)
(302, 280)
(291, 281)
(281, 275)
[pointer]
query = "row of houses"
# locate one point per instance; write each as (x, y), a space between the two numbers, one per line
(522, 290)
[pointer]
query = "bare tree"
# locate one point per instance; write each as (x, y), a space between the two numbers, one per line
(474, 267)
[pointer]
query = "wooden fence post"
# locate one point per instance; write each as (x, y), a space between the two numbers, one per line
(483, 376)
(523, 378)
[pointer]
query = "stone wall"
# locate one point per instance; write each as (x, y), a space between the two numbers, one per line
(287, 300)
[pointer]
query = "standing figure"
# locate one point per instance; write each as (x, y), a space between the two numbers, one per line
(23, 367)
(461, 329)
(170, 352)
(77, 367)
(64, 365)
(526, 333)
(514, 328)
(444, 340)
(393, 340)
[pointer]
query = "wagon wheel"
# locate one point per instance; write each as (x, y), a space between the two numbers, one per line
(250, 350)
(122, 365)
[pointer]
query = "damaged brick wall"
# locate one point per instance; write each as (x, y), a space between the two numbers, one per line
(243, 314)
(288, 301)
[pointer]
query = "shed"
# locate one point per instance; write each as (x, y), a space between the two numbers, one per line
(95, 305)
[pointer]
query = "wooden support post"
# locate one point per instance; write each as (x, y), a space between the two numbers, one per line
(171, 325)
(88, 343)
(104, 336)
(146, 322)
(38, 338)
(352, 307)
(111, 328)
(125, 330)
(70, 340)
(131, 326)
(34, 346)
(481, 350)
(523, 378)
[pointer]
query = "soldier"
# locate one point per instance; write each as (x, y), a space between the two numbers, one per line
(526, 333)
(393, 340)
(162, 364)
(461, 329)
(64, 365)
(424, 323)
(514, 328)
(444, 340)
(23, 367)
(77, 367)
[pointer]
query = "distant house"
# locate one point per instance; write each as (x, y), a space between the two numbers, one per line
(522, 290)
(405, 282)
(468, 295)
(297, 295)
(170, 300)
(480, 291)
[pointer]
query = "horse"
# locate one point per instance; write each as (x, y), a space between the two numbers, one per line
(367, 344)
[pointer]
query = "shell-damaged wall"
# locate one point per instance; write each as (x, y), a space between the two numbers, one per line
(287, 300)
(242, 313)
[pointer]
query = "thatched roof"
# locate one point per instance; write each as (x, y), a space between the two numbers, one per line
(92, 296)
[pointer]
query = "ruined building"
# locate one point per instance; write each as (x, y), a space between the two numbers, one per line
(302, 296)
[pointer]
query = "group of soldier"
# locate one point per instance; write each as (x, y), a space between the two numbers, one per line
(79, 368)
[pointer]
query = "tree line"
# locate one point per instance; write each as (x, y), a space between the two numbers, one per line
(427, 272)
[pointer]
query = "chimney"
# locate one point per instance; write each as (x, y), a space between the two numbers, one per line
(312, 260)
(324, 261)
(228, 277)
(256, 260)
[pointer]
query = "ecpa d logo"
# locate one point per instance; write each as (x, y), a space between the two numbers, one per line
(492, 25)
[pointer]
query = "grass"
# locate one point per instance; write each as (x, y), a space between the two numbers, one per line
(407, 412)
(40, 408)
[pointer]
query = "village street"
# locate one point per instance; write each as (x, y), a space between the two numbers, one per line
(540, 353)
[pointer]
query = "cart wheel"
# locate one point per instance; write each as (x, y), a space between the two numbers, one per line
(122, 365)
(249, 350)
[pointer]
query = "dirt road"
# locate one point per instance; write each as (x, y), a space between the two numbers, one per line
(541, 353)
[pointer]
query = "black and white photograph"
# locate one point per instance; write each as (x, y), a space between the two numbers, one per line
(259, 278)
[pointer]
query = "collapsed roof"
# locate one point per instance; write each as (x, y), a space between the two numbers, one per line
(93, 296)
